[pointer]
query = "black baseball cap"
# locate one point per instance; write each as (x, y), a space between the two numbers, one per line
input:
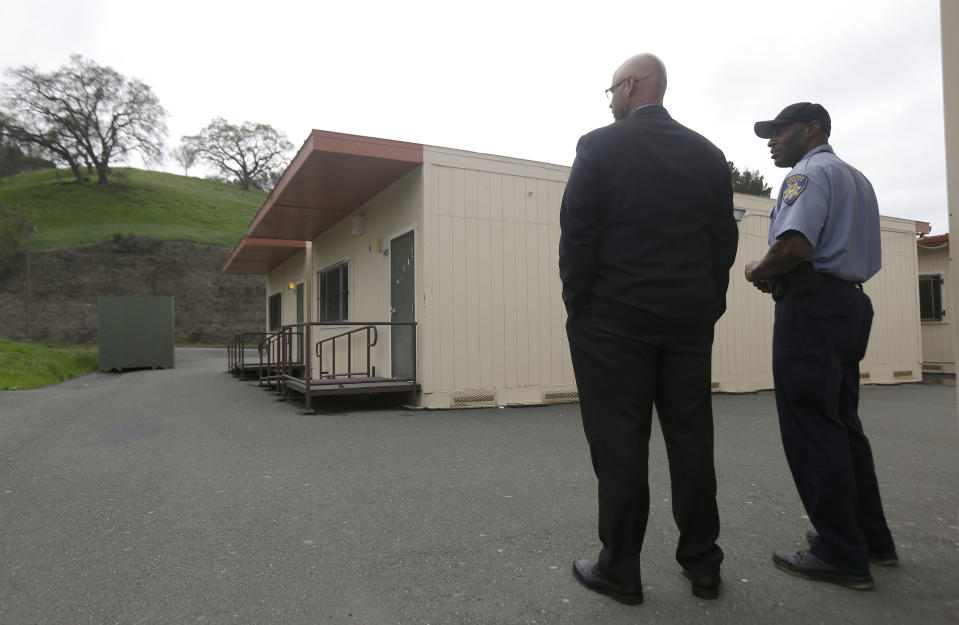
(798, 112)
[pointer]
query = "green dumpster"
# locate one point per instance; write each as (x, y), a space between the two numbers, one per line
(135, 332)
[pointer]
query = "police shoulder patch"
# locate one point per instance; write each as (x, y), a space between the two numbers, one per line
(793, 188)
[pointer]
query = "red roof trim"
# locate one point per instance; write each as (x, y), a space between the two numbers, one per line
(939, 240)
(248, 256)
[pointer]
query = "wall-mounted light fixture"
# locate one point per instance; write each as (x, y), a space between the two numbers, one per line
(292, 286)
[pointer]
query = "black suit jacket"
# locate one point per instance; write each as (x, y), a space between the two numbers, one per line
(647, 224)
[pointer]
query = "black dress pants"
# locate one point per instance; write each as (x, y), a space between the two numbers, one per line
(621, 373)
(818, 341)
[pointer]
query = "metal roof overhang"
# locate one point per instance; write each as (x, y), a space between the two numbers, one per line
(260, 256)
(332, 175)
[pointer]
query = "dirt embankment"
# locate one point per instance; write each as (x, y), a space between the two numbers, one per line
(209, 305)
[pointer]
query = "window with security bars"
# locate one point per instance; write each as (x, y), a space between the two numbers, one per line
(333, 294)
(930, 298)
(274, 312)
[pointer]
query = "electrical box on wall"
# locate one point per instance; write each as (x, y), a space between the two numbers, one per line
(358, 225)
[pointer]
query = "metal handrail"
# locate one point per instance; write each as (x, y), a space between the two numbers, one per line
(270, 347)
(307, 329)
(236, 350)
(331, 340)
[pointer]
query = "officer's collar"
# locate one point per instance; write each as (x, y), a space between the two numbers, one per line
(825, 147)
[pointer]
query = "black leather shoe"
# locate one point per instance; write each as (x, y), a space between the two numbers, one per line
(588, 574)
(704, 586)
(805, 564)
(882, 559)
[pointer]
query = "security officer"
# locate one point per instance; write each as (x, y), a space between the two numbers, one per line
(823, 244)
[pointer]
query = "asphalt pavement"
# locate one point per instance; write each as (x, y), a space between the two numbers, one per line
(187, 496)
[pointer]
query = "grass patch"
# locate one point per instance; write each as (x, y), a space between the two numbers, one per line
(146, 203)
(98, 234)
(27, 365)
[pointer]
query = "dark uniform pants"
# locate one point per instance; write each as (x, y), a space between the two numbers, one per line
(818, 341)
(620, 377)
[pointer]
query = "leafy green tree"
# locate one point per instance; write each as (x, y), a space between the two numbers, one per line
(83, 113)
(252, 153)
(748, 181)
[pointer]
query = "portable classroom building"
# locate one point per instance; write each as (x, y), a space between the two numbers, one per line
(361, 228)
(935, 310)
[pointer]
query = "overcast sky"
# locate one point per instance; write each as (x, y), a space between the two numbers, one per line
(526, 79)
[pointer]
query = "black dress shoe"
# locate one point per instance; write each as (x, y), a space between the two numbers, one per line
(882, 559)
(588, 574)
(704, 586)
(805, 564)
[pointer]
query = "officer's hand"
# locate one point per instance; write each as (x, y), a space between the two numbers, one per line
(749, 271)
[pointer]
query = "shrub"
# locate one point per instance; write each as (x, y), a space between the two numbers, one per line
(133, 244)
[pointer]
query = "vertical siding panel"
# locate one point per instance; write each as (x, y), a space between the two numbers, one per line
(442, 312)
(444, 193)
(457, 183)
(510, 312)
(483, 211)
(425, 261)
(445, 301)
(485, 330)
(546, 323)
(497, 292)
(531, 267)
(509, 204)
(470, 194)
(472, 325)
(496, 197)
(546, 306)
(522, 285)
(542, 201)
(460, 289)
(533, 281)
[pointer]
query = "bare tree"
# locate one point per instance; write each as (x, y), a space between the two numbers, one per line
(30, 129)
(185, 156)
(84, 113)
(16, 157)
(251, 152)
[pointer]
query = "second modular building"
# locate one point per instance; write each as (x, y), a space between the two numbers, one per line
(466, 245)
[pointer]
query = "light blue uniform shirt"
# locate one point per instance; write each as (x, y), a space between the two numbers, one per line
(833, 205)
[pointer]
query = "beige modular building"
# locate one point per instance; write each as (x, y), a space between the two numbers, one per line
(466, 245)
(935, 311)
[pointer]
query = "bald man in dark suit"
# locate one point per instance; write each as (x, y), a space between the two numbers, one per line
(647, 240)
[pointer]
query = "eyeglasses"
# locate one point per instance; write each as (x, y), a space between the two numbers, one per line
(609, 92)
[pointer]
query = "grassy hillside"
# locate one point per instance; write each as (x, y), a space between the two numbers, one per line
(146, 203)
(184, 227)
